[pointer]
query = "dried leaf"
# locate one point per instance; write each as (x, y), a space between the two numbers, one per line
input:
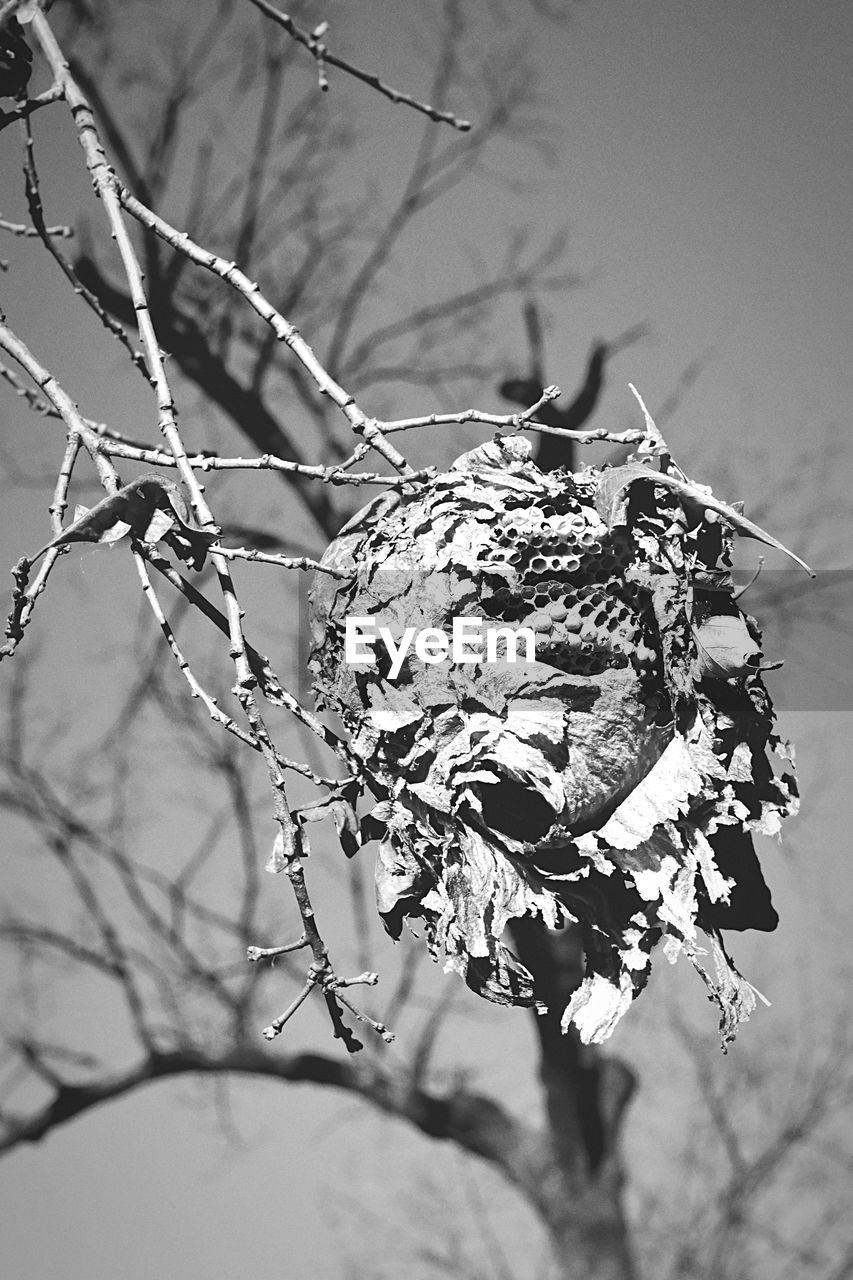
(596, 1007)
(150, 508)
(340, 805)
(725, 647)
(735, 996)
(613, 498)
(661, 796)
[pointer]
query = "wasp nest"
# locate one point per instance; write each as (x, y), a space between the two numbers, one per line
(603, 758)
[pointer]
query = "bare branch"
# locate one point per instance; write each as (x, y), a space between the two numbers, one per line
(322, 55)
(34, 202)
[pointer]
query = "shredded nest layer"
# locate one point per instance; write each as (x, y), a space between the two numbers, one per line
(615, 780)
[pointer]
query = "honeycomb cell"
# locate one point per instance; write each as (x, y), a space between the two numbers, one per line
(570, 588)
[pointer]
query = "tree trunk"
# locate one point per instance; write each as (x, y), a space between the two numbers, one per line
(577, 1191)
(588, 1231)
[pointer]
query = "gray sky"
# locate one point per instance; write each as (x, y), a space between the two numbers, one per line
(705, 170)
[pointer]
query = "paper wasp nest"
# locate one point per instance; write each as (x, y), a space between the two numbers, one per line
(616, 779)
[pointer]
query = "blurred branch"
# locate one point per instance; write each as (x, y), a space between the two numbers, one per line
(554, 451)
(21, 229)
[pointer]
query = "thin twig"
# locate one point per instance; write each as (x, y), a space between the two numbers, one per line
(61, 402)
(60, 494)
(208, 461)
(34, 401)
(25, 593)
(267, 679)
(321, 53)
(278, 1023)
(196, 689)
(515, 422)
(254, 954)
(25, 109)
(283, 562)
(34, 203)
(21, 229)
(379, 1027)
(286, 332)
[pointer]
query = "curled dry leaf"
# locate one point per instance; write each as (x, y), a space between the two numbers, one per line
(615, 779)
(341, 806)
(150, 508)
(695, 498)
(725, 647)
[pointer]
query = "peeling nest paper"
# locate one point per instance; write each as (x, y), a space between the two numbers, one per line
(615, 779)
